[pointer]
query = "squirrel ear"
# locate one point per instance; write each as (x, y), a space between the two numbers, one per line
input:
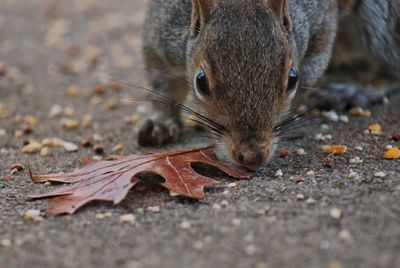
(281, 9)
(201, 10)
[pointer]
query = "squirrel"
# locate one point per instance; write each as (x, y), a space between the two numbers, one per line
(240, 63)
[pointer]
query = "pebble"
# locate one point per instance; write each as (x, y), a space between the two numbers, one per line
(55, 110)
(68, 111)
(70, 147)
(300, 197)
(216, 206)
(185, 225)
(380, 174)
(355, 160)
(86, 143)
(198, 245)
(236, 222)
(345, 235)
(344, 118)
(300, 151)
(224, 203)
(331, 115)
(128, 219)
(154, 209)
(278, 173)
(86, 120)
(261, 212)
(310, 201)
(310, 173)
(232, 185)
(335, 213)
(353, 175)
(3, 132)
(250, 250)
(5, 243)
(359, 148)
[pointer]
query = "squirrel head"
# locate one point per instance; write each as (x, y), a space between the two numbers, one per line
(241, 68)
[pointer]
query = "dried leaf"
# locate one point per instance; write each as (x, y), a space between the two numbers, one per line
(334, 149)
(392, 153)
(375, 129)
(111, 180)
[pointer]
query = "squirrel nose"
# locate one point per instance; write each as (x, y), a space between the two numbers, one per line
(249, 156)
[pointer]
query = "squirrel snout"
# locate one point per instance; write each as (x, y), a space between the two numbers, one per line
(249, 156)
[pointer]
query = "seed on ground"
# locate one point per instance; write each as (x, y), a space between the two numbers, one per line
(198, 245)
(55, 110)
(216, 206)
(86, 142)
(232, 185)
(68, 111)
(31, 147)
(118, 148)
(70, 123)
(128, 219)
(44, 152)
(355, 160)
(359, 148)
(250, 250)
(310, 201)
(345, 235)
(33, 215)
(224, 203)
(86, 120)
(300, 196)
(396, 136)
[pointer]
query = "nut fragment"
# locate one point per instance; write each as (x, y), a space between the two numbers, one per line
(33, 215)
(70, 123)
(360, 112)
(31, 147)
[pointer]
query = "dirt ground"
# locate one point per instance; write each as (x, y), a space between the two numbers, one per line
(325, 220)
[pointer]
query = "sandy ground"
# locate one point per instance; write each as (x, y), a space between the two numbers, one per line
(48, 46)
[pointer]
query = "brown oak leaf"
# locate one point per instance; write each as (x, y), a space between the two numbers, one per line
(111, 180)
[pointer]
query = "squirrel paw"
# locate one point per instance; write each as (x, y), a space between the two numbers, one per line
(344, 96)
(156, 132)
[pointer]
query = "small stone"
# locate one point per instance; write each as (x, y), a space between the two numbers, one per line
(185, 225)
(335, 213)
(250, 250)
(68, 111)
(261, 212)
(128, 219)
(173, 194)
(5, 243)
(300, 196)
(98, 149)
(99, 216)
(31, 120)
(359, 148)
(331, 115)
(353, 175)
(224, 203)
(73, 91)
(388, 147)
(380, 174)
(3, 132)
(310, 173)
(133, 119)
(344, 118)
(97, 137)
(55, 110)
(278, 173)
(345, 236)
(310, 201)
(100, 89)
(70, 123)
(216, 206)
(70, 147)
(300, 151)
(18, 134)
(86, 120)
(355, 160)
(232, 185)
(236, 222)
(198, 245)
(154, 209)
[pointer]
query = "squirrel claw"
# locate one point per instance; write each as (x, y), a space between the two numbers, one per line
(153, 132)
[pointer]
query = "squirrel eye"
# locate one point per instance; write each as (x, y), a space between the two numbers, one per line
(202, 83)
(293, 78)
